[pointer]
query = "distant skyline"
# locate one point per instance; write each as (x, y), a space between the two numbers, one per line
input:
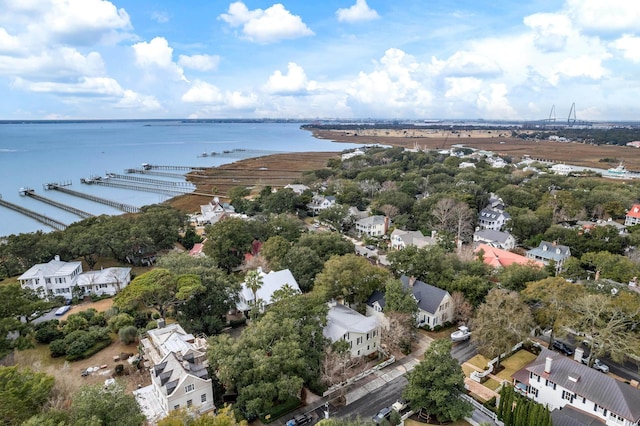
(406, 59)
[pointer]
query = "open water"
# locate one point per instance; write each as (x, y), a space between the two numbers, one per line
(34, 154)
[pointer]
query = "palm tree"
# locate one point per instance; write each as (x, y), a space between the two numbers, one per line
(253, 281)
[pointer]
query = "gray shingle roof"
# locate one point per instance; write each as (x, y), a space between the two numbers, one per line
(428, 296)
(547, 250)
(493, 235)
(568, 416)
(614, 395)
(377, 296)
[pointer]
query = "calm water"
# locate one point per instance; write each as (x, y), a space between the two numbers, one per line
(34, 154)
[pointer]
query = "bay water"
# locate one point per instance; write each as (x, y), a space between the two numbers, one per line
(33, 154)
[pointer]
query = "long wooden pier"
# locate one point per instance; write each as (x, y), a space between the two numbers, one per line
(46, 220)
(178, 184)
(113, 183)
(153, 173)
(127, 208)
(31, 193)
(147, 166)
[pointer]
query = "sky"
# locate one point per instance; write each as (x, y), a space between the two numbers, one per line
(303, 59)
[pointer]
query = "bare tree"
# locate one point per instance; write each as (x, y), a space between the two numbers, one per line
(462, 309)
(396, 337)
(500, 322)
(370, 187)
(454, 217)
(389, 210)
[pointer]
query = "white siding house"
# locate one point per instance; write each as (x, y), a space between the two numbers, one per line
(177, 363)
(575, 389)
(547, 252)
(492, 219)
(373, 226)
(58, 278)
(401, 239)
(274, 280)
(361, 332)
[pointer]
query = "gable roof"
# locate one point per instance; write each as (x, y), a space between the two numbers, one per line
(110, 275)
(53, 268)
(427, 296)
(271, 282)
(371, 221)
(634, 211)
(377, 296)
(499, 258)
(614, 395)
(492, 214)
(342, 319)
(569, 416)
(547, 250)
(492, 235)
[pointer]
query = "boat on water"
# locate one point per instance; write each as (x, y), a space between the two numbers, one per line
(461, 334)
(619, 172)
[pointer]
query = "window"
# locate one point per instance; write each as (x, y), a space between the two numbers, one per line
(534, 392)
(189, 403)
(367, 336)
(359, 340)
(190, 387)
(203, 397)
(567, 395)
(175, 407)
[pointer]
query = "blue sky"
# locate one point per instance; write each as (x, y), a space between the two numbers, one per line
(405, 59)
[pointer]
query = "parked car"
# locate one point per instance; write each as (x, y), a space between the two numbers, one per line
(302, 419)
(399, 405)
(600, 366)
(370, 247)
(382, 415)
(562, 347)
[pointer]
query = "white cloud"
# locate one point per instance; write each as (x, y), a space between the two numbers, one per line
(8, 43)
(54, 64)
(358, 12)
(266, 26)
(292, 83)
(604, 16)
(464, 64)
(133, 100)
(582, 66)
(199, 62)
(494, 103)
(158, 54)
(394, 88)
(202, 92)
(160, 17)
(550, 30)
(630, 47)
(462, 88)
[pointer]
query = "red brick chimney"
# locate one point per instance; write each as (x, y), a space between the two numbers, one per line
(412, 281)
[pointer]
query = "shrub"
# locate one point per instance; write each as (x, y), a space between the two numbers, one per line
(48, 334)
(91, 351)
(119, 321)
(128, 334)
(238, 322)
(155, 315)
(437, 328)
(57, 348)
(151, 325)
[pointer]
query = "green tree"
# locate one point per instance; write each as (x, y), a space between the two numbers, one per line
(22, 393)
(227, 242)
(326, 244)
(304, 264)
(275, 250)
(500, 322)
(223, 417)
(437, 382)
(515, 276)
(351, 278)
(108, 407)
(128, 334)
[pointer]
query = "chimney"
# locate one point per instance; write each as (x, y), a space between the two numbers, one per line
(412, 281)
(386, 224)
(57, 257)
(578, 354)
(160, 322)
(555, 243)
(547, 365)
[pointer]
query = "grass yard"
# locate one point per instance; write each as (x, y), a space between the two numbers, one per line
(467, 370)
(491, 384)
(479, 361)
(514, 363)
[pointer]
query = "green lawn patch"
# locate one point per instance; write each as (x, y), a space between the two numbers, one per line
(479, 361)
(491, 384)
(514, 363)
(467, 370)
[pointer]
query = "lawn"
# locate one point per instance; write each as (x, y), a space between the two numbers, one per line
(479, 361)
(491, 384)
(467, 370)
(514, 363)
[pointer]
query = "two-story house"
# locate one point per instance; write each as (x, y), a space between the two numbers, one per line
(177, 363)
(401, 239)
(320, 202)
(361, 332)
(274, 280)
(373, 226)
(213, 212)
(492, 219)
(575, 391)
(547, 252)
(59, 278)
(633, 216)
(435, 306)
(498, 239)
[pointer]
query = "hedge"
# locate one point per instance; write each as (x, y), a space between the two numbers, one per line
(91, 351)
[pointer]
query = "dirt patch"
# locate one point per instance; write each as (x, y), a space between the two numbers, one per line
(100, 306)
